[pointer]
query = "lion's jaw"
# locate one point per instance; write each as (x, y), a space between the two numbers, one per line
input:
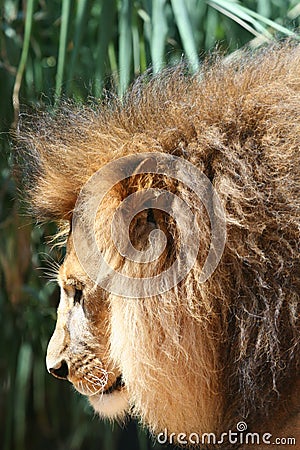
(111, 406)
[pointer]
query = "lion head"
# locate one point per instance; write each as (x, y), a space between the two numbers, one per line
(196, 357)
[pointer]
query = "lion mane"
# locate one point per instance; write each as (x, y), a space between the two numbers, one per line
(198, 358)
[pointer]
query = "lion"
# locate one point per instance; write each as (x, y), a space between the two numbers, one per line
(198, 358)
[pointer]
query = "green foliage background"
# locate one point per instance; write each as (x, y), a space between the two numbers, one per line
(50, 48)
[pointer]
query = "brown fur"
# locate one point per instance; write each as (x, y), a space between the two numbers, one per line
(198, 358)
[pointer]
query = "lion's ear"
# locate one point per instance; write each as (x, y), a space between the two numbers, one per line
(153, 247)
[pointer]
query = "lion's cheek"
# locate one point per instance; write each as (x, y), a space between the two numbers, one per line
(163, 390)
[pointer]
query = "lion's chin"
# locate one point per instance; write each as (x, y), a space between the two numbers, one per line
(111, 406)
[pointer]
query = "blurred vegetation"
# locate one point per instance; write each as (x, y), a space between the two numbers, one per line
(50, 48)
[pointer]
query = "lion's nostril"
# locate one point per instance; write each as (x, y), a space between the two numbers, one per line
(61, 370)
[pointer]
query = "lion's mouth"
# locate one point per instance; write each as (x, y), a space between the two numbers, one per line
(116, 386)
(89, 388)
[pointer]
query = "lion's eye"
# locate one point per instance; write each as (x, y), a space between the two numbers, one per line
(77, 296)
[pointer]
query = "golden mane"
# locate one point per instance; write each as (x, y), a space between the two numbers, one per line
(237, 120)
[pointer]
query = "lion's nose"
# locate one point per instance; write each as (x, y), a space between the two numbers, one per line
(60, 370)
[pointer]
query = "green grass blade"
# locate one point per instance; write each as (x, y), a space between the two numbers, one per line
(264, 7)
(62, 47)
(268, 22)
(145, 14)
(113, 63)
(80, 22)
(186, 32)
(106, 22)
(24, 368)
(23, 59)
(240, 13)
(211, 22)
(125, 45)
(159, 34)
(242, 20)
(293, 13)
(136, 45)
(197, 10)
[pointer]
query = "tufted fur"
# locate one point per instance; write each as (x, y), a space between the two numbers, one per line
(199, 358)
